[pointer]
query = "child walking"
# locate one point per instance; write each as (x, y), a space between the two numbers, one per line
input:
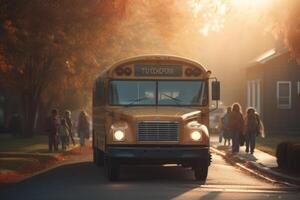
(253, 128)
(83, 128)
(236, 126)
(64, 134)
(225, 126)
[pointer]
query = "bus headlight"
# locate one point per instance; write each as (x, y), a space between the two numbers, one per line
(196, 136)
(119, 135)
(118, 131)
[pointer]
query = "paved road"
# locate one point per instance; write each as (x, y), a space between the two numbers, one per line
(83, 180)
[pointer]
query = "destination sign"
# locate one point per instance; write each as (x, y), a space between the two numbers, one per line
(158, 70)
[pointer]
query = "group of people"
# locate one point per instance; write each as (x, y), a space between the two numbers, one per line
(61, 129)
(241, 129)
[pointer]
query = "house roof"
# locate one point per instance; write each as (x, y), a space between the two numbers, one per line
(267, 56)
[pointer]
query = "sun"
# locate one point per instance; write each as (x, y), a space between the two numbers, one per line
(251, 4)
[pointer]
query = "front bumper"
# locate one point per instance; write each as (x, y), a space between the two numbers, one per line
(158, 154)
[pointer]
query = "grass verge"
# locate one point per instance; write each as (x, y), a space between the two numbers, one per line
(18, 144)
(269, 144)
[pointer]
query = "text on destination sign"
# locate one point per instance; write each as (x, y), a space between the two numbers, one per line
(157, 70)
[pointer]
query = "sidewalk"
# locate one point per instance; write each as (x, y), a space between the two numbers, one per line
(260, 161)
(28, 159)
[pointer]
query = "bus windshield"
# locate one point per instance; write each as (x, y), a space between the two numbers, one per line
(158, 93)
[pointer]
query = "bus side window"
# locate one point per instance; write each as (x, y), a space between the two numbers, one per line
(98, 93)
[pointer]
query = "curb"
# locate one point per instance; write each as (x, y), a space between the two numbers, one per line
(38, 153)
(273, 173)
(252, 167)
(54, 158)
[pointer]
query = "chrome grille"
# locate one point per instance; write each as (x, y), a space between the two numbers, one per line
(158, 131)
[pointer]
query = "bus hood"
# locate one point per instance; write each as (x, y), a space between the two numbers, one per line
(158, 113)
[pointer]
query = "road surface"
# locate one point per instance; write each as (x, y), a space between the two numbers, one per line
(81, 180)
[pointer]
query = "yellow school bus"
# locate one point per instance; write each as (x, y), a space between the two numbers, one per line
(152, 109)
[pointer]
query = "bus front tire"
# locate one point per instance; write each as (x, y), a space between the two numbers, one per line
(98, 157)
(94, 155)
(112, 169)
(201, 169)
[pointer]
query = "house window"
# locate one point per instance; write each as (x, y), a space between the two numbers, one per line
(254, 93)
(284, 98)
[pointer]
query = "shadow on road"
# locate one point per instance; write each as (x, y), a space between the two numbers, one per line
(82, 180)
(157, 173)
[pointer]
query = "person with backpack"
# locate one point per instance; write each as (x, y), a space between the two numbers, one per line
(53, 125)
(83, 127)
(253, 128)
(69, 122)
(236, 126)
(225, 126)
(63, 134)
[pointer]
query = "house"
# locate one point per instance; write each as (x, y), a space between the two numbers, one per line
(273, 88)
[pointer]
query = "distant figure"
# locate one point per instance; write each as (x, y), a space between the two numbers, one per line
(253, 128)
(225, 127)
(83, 127)
(15, 125)
(52, 129)
(70, 126)
(219, 128)
(236, 126)
(63, 134)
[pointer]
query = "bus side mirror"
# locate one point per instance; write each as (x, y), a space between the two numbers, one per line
(215, 94)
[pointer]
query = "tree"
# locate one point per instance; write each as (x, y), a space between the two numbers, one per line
(281, 17)
(46, 42)
(286, 19)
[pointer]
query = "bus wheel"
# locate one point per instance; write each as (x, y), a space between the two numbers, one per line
(94, 155)
(98, 157)
(201, 169)
(112, 169)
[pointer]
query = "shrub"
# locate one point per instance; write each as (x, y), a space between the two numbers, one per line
(281, 154)
(293, 157)
(288, 155)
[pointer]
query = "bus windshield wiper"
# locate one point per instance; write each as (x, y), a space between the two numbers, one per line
(177, 101)
(137, 100)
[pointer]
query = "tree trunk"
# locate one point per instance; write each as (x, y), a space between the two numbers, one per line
(30, 105)
(36, 117)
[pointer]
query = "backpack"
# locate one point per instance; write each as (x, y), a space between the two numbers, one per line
(253, 124)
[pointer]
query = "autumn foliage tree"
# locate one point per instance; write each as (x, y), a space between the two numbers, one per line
(48, 43)
(286, 20)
